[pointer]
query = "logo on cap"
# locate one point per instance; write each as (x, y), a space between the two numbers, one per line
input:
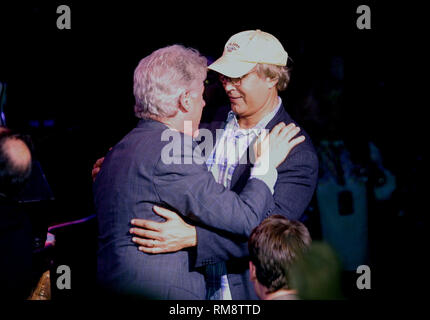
(232, 46)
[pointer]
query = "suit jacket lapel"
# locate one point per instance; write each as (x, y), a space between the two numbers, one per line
(242, 172)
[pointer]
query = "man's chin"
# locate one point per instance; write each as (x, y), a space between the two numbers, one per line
(193, 133)
(237, 108)
(196, 133)
(191, 128)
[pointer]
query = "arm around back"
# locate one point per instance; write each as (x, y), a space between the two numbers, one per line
(187, 186)
(297, 178)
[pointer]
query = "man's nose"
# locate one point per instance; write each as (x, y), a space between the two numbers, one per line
(228, 86)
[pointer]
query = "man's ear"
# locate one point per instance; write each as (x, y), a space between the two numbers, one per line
(252, 272)
(271, 82)
(184, 101)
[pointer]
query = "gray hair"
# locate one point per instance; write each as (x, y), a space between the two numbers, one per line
(161, 78)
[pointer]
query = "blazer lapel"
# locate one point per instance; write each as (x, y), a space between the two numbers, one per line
(243, 171)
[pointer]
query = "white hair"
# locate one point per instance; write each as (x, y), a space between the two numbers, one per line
(161, 78)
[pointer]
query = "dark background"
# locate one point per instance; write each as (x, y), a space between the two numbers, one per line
(71, 90)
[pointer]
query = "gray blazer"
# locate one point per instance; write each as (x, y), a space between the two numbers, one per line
(133, 179)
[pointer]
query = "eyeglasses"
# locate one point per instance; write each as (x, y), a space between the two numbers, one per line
(234, 81)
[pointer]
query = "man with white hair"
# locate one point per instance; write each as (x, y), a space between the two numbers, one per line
(137, 173)
(252, 71)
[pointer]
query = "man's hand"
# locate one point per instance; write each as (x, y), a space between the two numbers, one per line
(273, 149)
(162, 237)
(97, 166)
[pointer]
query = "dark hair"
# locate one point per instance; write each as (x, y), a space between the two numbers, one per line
(12, 176)
(273, 246)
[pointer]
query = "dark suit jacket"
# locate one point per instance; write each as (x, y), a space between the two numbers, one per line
(16, 249)
(297, 178)
(132, 179)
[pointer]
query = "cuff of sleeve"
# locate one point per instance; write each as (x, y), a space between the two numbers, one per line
(204, 256)
(267, 175)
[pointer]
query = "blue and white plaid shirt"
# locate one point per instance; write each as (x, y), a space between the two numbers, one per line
(222, 162)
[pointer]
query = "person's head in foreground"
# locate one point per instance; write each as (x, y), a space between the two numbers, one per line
(169, 85)
(274, 246)
(252, 69)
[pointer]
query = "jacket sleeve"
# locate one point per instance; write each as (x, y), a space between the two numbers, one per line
(297, 178)
(186, 185)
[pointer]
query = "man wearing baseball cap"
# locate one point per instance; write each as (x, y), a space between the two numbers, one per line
(246, 49)
(252, 70)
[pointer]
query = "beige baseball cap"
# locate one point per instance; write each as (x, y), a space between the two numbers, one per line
(245, 49)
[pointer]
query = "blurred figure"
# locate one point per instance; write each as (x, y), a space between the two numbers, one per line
(15, 225)
(15, 163)
(355, 185)
(274, 246)
(316, 275)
